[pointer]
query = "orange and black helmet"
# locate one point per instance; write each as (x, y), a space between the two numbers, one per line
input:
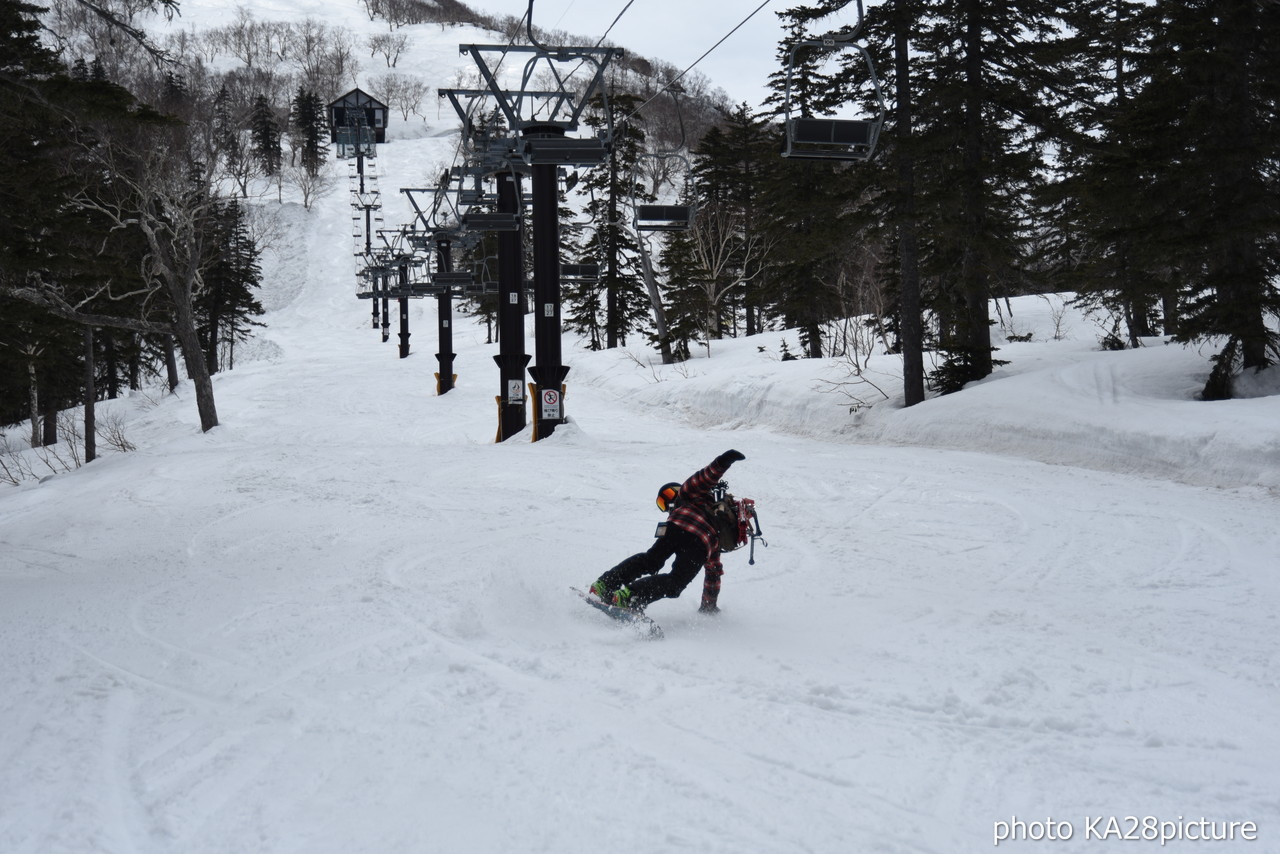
(667, 496)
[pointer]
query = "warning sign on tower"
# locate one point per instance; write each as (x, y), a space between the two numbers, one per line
(550, 405)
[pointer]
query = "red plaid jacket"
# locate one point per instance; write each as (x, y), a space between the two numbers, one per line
(692, 513)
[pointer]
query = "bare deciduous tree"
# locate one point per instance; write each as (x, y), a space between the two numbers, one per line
(729, 255)
(390, 45)
(311, 185)
(400, 92)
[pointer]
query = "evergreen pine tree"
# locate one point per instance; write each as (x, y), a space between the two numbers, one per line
(684, 295)
(227, 304)
(618, 305)
(710, 265)
(266, 133)
(1102, 206)
(71, 246)
(227, 135)
(808, 218)
(807, 221)
(731, 161)
(1212, 105)
(45, 240)
(310, 128)
(989, 83)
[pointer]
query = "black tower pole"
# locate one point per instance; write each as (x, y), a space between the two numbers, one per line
(542, 119)
(404, 310)
(511, 357)
(386, 304)
(548, 373)
(444, 305)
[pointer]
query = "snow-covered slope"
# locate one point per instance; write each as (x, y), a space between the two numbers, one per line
(340, 622)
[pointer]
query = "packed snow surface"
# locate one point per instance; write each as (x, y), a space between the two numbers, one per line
(341, 623)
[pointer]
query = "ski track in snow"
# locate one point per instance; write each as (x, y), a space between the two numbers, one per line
(306, 660)
(339, 623)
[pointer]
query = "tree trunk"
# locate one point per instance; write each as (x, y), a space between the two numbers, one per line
(33, 402)
(812, 341)
(910, 323)
(90, 398)
(974, 283)
(171, 364)
(1137, 316)
(113, 368)
(1169, 308)
(193, 357)
(211, 344)
(655, 300)
(135, 364)
(49, 422)
(1240, 272)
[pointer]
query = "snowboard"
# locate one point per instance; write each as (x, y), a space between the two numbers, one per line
(636, 619)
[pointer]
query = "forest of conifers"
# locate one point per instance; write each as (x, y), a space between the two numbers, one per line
(1123, 151)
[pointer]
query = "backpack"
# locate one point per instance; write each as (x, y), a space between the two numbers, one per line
(732, 518)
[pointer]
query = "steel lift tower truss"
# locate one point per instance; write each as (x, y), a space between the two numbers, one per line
(540, 123)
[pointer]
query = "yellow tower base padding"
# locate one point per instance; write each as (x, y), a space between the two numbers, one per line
(437, 376)
(498, 399)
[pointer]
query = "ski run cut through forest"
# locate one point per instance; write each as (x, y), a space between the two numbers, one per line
(1039, 614)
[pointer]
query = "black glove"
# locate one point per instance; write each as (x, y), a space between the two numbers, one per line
(728, 458)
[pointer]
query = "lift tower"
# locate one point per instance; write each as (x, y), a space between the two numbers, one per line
(541, 123)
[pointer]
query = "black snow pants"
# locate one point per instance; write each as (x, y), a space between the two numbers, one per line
(638, 571)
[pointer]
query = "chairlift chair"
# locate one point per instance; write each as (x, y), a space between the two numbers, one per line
(481, 221)
(458, 278)
(366, 286)
(663, 217)
(588, 273)
(668, 217)
(420, 240)
(477, 289)
(481, 272)
(473, 195)
(818, 138)
(442, 214)
(565, 151)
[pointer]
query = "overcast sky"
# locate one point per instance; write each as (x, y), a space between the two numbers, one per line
(676, 31)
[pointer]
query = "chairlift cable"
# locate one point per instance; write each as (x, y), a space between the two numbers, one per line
(600, 40)
(457, 150)
(678, 77)
(566, 11)
(605, 35)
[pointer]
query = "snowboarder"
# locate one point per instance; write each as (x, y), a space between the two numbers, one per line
(689, 533)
